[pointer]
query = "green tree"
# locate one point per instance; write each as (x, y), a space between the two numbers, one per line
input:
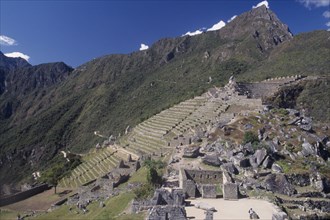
(153, 177)
(250, 137)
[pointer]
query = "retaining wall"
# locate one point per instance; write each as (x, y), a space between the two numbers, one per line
(23, 195)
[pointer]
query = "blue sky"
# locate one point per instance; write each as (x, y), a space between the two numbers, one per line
(77, 31)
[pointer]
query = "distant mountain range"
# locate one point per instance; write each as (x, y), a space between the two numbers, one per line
(49, 107)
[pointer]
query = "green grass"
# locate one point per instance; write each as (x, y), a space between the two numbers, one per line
(9, 215)
(140, 176)
(113, 208)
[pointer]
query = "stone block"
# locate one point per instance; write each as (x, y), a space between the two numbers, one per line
(230, 191)
(209, 191)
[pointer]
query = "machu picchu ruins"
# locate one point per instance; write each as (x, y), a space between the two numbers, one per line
(198, 139)
(226, 122)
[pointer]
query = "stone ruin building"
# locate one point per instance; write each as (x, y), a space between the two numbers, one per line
(203, 183)
(164, 205)
(196, 183)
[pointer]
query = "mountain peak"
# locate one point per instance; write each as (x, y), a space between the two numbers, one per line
(260, 24)
(10, 63)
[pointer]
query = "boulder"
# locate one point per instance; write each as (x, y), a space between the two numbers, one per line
(230, 168)
(204, 206)
(277, 168)
(260, 155)
(212, 160)
(278, 183)
(280, 216)
(248, 149)
(293, 112)
(307, 149)
(253, 161)
(191, 152)
(248, 126)
(268, 162)
(317, 182)
(294, 121)
(273, 147)
(245, 162)
(307, 127)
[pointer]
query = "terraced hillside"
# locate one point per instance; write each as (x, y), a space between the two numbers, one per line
(94, 166)
(155, 134)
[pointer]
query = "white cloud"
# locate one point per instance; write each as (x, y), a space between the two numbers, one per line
(144, 47)
(316, 3)
(217, 26)
(232, 18)
(7, 41)
(326, 14)
(265, 3)
(328, 24)
(18, 54)
(193, 33)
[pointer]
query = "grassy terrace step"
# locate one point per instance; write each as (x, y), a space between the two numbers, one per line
(94, 167)
(152, 130)
(148, 146)
(178, 112)
(165, 118)
(137, 148)
(156, 139)
(145, 145)
(150, 139)
(183, 109)
(141, 132)
(154, 126)
(149, 143)
(163, 121)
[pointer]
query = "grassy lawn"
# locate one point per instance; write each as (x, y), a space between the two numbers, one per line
(9, 214)
(113, 208)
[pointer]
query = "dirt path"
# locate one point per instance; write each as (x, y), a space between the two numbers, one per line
(232, 209)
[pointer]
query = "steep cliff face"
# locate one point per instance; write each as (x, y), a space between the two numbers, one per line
(8, 64)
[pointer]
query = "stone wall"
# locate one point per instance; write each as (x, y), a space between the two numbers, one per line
(229, 188)
(23, 195)
(230, 191)
(197, 183)
(205, 176)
